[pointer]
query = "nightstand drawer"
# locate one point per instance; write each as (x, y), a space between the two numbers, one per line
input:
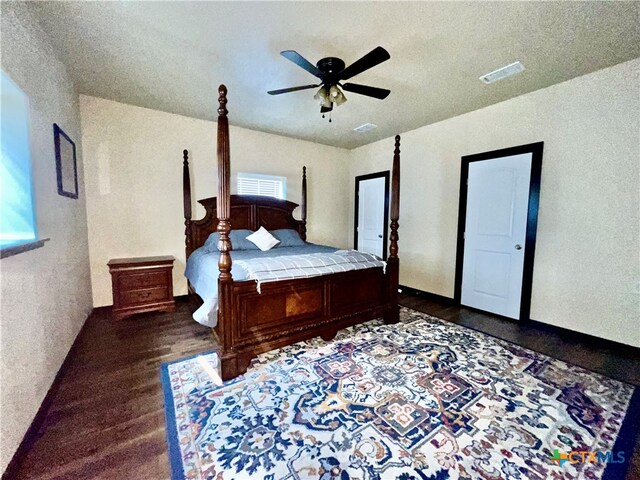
(134, 281)
(148, 295)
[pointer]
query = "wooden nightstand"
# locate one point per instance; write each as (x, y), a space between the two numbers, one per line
(141, 284)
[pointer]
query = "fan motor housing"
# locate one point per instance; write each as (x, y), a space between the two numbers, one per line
(330, 65)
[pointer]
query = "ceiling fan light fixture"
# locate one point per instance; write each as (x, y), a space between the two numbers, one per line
(323, 97)
(336, 95)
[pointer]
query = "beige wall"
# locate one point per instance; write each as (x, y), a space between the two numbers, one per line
(133, 172)
(586, 272)
(45, 293)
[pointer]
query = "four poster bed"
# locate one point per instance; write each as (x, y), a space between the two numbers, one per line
(250, 322)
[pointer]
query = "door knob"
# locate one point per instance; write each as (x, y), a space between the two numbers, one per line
(518, 246)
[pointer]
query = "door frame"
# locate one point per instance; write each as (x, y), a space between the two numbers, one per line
(385, 174)
(535, 149)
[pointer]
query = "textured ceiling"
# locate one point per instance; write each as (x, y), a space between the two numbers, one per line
(171, 56)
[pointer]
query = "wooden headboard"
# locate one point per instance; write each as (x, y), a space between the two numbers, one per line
(248, 212)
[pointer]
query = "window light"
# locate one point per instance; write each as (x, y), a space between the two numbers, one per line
(263, 185)
(17, 217)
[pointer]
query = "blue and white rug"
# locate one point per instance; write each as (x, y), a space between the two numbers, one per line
(421, 400)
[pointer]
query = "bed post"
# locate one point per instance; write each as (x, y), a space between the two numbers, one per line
(303, 207)
(186, 199)
(224, 186)
(393, 263)
(228, 359)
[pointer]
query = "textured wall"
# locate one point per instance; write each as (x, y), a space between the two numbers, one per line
(586, 272)
(45, 293)
(133, 172)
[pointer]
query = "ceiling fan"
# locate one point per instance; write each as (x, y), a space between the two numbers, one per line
(331, 71)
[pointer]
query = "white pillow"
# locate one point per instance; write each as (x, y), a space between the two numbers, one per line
(263, 239)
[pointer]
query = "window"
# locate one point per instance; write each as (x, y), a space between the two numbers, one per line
(264, 185)
(17, 217)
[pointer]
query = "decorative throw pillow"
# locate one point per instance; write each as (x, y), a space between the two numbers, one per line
(263, 239)
(239, 240)
(288, 238)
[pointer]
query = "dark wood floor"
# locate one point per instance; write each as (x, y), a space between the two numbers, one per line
(106, 420)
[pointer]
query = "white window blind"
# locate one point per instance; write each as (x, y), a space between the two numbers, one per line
(264, 185)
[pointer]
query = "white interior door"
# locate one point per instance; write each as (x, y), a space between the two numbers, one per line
(495, 232)
(370, 219)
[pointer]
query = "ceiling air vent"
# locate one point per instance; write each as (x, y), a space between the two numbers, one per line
(503, 72)
(365, 128)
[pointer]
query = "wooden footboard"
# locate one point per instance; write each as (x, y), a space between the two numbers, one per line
(290, 311)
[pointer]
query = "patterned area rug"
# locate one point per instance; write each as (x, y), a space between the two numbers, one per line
(424, 399)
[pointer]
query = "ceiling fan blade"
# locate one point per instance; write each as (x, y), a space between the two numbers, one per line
(292, 89)
(299, 60)
(371, 59)
(375, 92)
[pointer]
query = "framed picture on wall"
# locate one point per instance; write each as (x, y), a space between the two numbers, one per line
(66, 167)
